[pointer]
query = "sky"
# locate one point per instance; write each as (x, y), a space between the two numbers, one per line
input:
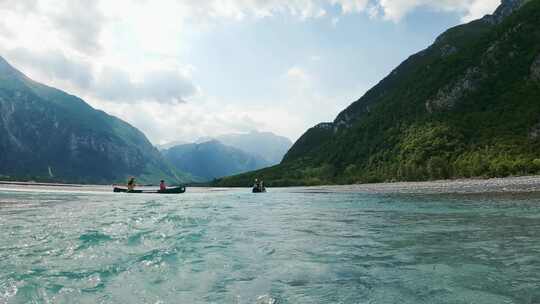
(184, 69)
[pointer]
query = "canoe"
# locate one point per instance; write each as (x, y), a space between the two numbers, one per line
(175, 190)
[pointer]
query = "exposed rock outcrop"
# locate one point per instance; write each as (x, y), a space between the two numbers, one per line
(447, 97)
(325, 125)
(534, 132)
(506, 8)
(448, 50)
(535, 69)
(491, 54)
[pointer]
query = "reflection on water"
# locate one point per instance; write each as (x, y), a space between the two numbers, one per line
(286, 246)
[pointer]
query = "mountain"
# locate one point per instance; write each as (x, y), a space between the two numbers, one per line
(466, 106)
(266, 145)
(171, 144)
(212, 159)
(50, 135)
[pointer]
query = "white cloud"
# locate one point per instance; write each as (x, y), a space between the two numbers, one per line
(189, 121)
(18, 5)
(304, 96)
(163, 86)
(297, 74)
(351, 6)
(395, 10)
(389, 9)
(479, 8)
(80, 23)
(53, 65)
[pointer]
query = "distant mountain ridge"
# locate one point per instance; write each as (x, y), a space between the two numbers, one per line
(465, 106)
(171, 144)
(211, 159)
(51, 135)
(265, 145)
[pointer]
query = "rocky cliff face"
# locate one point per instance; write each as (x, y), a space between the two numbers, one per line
(51, 135)
(448, 96)
(504, 10)
(535, 69)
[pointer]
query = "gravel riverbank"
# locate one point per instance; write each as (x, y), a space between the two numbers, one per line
(521, 184)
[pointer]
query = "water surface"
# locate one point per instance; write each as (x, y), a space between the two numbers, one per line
(286, 246)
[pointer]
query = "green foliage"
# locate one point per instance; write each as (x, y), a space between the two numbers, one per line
(429, 142)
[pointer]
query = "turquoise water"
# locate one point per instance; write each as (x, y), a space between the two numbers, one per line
(285, 246)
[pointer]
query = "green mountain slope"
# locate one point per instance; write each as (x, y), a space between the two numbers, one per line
(209, 160)
(469, 105)
(47, 134)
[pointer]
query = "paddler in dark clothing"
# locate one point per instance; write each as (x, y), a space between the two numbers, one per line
(131, 184)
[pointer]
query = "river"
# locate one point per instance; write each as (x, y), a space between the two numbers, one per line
(295, 245)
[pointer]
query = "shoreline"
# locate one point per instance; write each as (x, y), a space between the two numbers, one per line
(18, 183)
(45, 184)
(514, 184)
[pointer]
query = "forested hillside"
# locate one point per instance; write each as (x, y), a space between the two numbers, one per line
(467, 106)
